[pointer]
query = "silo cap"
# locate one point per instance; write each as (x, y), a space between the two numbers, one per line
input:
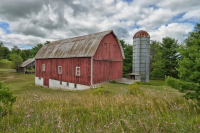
(141, 33)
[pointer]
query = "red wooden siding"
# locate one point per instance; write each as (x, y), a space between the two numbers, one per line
(108, 61)
(108, 49)
(68, 70)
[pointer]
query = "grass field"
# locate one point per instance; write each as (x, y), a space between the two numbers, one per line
(5, 65)
(42, 110)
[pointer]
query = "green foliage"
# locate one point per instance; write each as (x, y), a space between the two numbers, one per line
(16, 61)
(154, 46)
(6, 100)
(113, 81)
(127, 62)
(4, 51)
(23, 55)
(35, 49)
(165, 60)
(134, 89)
(189, 67)
(102, 91)
(143, 83)
(1, 50)
(15, 50)
(158, 66)
(191, 89)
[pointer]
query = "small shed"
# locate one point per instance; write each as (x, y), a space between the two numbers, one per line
(27, 66)
(135, 76)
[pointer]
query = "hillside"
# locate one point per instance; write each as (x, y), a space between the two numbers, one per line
(5, 65)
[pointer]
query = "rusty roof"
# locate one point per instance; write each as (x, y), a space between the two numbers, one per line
(27, 62)
(141, 33)
(81, 46)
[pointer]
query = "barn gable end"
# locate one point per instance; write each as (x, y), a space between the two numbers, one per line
(108, 60)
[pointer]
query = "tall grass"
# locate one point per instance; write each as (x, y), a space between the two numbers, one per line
(160, 109)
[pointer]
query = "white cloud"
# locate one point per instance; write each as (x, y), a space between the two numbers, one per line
(192, 15)
(37, 21)
(178, 31)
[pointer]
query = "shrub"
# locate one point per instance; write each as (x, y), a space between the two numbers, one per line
(102, 91)
(113, 81)
(16, 61)
(6, 100)
(143, 83)
(134, 89)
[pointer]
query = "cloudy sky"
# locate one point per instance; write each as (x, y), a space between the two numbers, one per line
(26, 23)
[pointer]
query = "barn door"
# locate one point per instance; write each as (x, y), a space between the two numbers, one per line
(46, 82)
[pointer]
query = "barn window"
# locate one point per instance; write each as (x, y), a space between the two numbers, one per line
(67, 84)
(59, 69)
(43, 67)
(75, 85)
(60, 82)
(78, 71)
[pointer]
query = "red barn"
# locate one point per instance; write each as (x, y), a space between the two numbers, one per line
(79, 62)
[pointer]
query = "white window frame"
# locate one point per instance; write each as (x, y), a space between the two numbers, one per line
(43, 67)
(60, 69)
(78, 73)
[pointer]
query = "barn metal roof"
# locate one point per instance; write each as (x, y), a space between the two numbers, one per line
(81, 46)
(27, 62)
(141, 33)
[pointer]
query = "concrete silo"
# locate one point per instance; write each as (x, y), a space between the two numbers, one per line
(141, 54)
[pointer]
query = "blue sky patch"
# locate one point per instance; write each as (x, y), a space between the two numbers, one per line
(154, 6)
(128, 1)
(5, 26)
(25, 47)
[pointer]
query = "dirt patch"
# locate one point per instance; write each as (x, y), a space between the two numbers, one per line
(10, 77)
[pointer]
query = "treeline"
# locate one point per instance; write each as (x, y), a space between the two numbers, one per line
(6, 53)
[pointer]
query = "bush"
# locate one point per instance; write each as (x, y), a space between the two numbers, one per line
(6, 100)
(102, 91)
(16, 61)
(113, 81)
(143, 83)
(134, 89)
(191, 89)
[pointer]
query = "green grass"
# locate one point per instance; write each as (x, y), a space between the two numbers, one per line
(38, 109)
(5, 65)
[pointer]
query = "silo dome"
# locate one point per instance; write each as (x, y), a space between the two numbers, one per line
(141, 33)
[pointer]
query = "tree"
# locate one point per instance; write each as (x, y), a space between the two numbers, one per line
(6, 100)
(15, 50)
(169, 54)
(35, 49)
(16, 61)
(128, 53)
(23, 55)
(158, 66)
(154, 46)
(189, 67)
(1, 50)
(47, 42)
(5, 52)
